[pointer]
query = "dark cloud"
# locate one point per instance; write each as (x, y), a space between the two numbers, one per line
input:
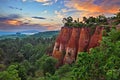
(10, 17)
(22, 27)
(3, 18)
(14, 16)
(98, 2)
(38, 17)
(11, 7)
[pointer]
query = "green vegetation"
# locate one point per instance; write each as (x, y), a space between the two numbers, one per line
(87, 22)
(10, 74)
(13, 36)
(46, 64)
(25, 58)
(101, 63)
(100, 20)
(47, 34)
(28, 58)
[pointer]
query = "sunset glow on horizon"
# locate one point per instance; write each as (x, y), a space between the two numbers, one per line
(44, 15)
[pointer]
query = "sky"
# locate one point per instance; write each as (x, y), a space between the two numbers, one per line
(45, 15)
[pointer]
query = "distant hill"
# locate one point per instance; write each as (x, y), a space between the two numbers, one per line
(23, 34)
(29, 32)
(46, 34)
(13, 36)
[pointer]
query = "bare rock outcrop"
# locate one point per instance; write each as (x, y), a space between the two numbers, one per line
(70, 41)
(72, 46)
(96, 38)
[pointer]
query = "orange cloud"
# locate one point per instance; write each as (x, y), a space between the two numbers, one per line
(52, 27)
(90, 8)
(107, 6)
(13, 22)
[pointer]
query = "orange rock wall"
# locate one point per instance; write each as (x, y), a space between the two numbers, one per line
(70, 41)
(66, 33)
(60, 44)
(96, 38)
(72, 46)
(84, 39)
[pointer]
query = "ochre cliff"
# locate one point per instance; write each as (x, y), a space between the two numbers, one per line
(72, 46)
(83, 39)
(60, 44)
(70, 41)
(96, 38)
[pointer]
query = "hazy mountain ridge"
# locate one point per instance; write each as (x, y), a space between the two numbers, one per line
(23, 34)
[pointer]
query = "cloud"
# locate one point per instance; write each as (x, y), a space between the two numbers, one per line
(45, 11)
(10, 17)
(44, 2)
(56, 1)
(3, 18)
(14, 16)
(59, 14)
(51, 19)
(23, 27)
(51, 26)
(106, 6)
(65, 10)
(91, 7)
(13, 22)
(48, 3)
(11, 7)
(24, 0)
(38, 17)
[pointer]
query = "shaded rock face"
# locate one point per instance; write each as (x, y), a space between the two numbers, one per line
(84, 39)
(61, 44)
(70, 41)
(59, 56)
(65, 38)
(96, 38)
(72, 46)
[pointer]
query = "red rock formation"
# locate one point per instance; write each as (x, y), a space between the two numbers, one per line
(65, 38)
(83, 40)
(57, 43)
(59, 56)
(73, 40)
(56, 53)
(72, 46)
(96, 38)
(60, 44)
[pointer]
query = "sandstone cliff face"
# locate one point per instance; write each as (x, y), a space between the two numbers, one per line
(60, 44)
(84, 39)
(72, 46)
(65, 38)
(70, 41)
(96, 38)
